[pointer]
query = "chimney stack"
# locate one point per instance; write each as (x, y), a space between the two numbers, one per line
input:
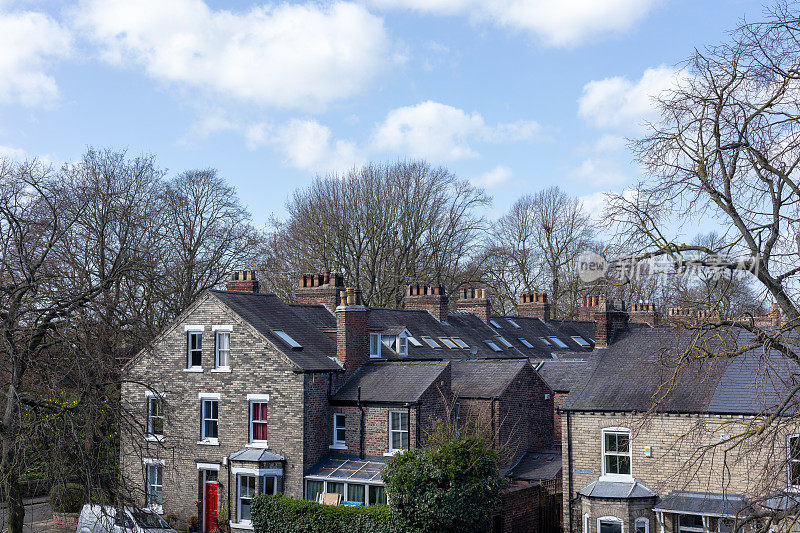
(474, 301)
(320, 289)
(243, 281)
(429, 298)
(534, 305)
(691, 316)
(644, 313)
(352, 331)
(608, 318)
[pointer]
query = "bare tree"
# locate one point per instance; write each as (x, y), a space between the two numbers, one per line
(726, 151)
(536, 246)
(383, 226)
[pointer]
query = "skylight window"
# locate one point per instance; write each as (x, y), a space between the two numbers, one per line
(525, 343)
(558, 342)
(513, 323)
(545, 341)
(495, 324)
(580, 340)
(447, 342)
(414, 341)
(285, 337)
(493, 346)
(504, 341)
(430, 342)
(461, 344)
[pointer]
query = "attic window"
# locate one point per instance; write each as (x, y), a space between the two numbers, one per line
(580, 340)
(413, 340)
(402, 344)
(504, 341)
(525, 343)
(495, 324)
(513, 323)
(558, 342)
(447, 342)
(493, 346)
(545, 341)
(288, 339)
(430, 342)
(461, 344)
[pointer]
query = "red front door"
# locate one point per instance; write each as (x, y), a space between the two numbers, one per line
(211, 507)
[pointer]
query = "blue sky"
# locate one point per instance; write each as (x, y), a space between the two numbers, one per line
(515, 95)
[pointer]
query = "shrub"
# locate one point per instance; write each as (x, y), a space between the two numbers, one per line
(451, 485)
(67, 498)
(282, 514)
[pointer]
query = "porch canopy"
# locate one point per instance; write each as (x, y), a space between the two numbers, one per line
(712, 504)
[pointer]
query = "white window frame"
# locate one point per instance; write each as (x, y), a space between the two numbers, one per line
(347, 484)
(586, 523)
(392, 449)
(608, 476)
(239, 477)
(205, 397)
(790, 461)
(374, 351)
(402, 344)
(251, 399)
(339, 444)
(221, 330)
(262, 484)
(153, 463)
(641, 520)
(611, 519)
(149, 396)
(193, 330)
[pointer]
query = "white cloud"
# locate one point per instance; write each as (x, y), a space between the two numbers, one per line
(441, 132)
(610, 143)
(29, 41)
(493, 178)
(9, 152)
(619, 103)
(285, 55)
(309, 145)
(557, 23)
(599, 172)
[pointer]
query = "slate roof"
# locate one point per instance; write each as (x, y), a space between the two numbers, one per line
(563, 375)
(255, 455)
(534, 330)
(705, 503)
(484, 378)
(538, 465)
(390, 381)
(629, 376)
(267, 313)
(617, 489)
(317, 315)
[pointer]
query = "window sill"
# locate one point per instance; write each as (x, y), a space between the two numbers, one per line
(262, 445)
(198, 369)
(338, 447)
(154, 438)
(617, 478)
(223, 369)
(242, 525)
(157, 509)
(391, 453)
(209, 442)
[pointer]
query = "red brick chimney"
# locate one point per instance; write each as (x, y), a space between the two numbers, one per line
(427, 298)
(243, 281)
(534, 305)
(643, 313)
(352, 331)
(776, 315)
(320, 289)
(474, 301)
(608, 318)
(690, 316)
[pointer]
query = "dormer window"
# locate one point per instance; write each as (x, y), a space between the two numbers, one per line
(374, 345)
(402, 345)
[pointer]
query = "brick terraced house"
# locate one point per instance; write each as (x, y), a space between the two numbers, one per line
(641, 457)
(245, 394)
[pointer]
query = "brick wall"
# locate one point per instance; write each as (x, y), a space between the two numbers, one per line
(558, 401)
(526, 508)
(674, 462)
(526, 414)
(256, 368)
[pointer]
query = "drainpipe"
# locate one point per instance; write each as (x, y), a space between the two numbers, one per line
(228, 503)
(408, 414)
(419, 441)
(569, 466)
(494, 444)
(361, 428)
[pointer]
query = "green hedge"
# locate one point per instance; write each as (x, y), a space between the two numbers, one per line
(67, 498)
(282, 514)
